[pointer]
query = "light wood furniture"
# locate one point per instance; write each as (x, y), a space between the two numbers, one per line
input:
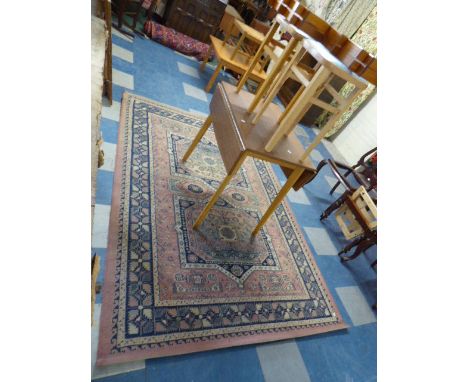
(367, 210)
(354, 57)
(266, 53)
(238, 139)
(238, 64)
(312, 85)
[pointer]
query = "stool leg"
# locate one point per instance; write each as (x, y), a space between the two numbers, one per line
(207, 57)
(198, 137)
(257, 56)
(213, 77)
(279, 198)
(291, 103)
(301, 106)
(271, 93)
(318, 138)
(218, 192)
(239, 43)
(272, 75)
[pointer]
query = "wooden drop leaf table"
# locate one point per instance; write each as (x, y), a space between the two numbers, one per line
(238, 139)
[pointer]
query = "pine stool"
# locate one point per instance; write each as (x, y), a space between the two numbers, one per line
(312, 86)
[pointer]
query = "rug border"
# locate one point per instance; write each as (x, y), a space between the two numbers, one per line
(104, 356)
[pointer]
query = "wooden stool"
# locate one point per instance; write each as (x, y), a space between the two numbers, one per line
(267, 51)
(237, 139)
(312, 86)
(238, 64)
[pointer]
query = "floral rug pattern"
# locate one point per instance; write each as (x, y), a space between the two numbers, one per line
(170, 289)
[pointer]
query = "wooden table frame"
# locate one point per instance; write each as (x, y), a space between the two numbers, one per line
(248, 146)
(297, 172)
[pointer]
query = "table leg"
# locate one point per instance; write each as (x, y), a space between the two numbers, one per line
(213, 77)
(281, 194)
(198, 138)
(218, 192)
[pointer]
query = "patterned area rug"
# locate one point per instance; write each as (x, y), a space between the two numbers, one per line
(172, 290)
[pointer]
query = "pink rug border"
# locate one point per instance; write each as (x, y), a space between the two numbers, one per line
(104, 356)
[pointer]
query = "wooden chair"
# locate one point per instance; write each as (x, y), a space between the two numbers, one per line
(364, 173)
(356, 214)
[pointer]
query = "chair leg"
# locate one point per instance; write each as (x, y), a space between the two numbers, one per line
(348, 247)
(332, 207)
(361, 247)
(334, 187)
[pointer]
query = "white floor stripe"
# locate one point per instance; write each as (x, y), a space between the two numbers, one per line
(110, 112)
(331, 180)
(109, 156)
(122, 79)
(122, 53)
(298, 197)
(316, 157)
(100, 226)
(194, 92)
(282, 361)
(356, 305)
(106, 371)
(321, 241)
(115, 32)
(183, 55)
(186, 69)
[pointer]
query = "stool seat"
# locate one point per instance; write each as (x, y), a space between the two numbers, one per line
(235, 134)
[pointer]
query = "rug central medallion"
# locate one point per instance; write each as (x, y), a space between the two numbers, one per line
(170, 289)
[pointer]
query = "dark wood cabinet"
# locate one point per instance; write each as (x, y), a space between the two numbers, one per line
(195, 18)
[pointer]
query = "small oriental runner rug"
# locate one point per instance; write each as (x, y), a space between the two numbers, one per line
(171, 290)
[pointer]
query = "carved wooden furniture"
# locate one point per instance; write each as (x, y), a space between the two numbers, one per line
(364, 171)
(195, 18)
(356, 214)
(237, 139)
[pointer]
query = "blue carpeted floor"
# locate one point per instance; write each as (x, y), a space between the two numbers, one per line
(151, 70)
